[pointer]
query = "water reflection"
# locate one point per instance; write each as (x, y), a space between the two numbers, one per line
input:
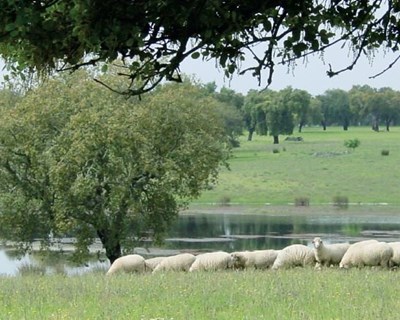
(233, 232)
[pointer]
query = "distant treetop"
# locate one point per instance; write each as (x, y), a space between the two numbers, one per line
(153, 37)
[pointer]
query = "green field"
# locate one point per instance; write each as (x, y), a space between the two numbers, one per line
(319, 168)
(286, 294)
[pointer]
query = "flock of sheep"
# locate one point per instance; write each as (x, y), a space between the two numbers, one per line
(345, 255)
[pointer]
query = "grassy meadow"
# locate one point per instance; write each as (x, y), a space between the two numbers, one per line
(318, 168)
(286, 294)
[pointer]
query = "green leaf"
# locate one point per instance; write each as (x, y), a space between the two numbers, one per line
(195, 55)
(299, 48)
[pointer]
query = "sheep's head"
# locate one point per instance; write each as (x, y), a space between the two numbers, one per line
(317, 242)
(238, 260)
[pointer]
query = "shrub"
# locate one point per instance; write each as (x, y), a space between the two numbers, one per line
(385, 152)
(275, 150)
(352, 143)
(341, 202)
(302, 202)
(224, 201)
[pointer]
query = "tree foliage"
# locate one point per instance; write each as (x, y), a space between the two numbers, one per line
(155, 37)
(77, 159)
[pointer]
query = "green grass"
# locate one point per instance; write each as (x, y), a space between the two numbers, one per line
(319, 168)
(287, 294)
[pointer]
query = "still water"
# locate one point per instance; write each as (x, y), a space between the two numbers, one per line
(233, 232)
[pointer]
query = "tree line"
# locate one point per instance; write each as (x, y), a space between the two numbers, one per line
(275, 113)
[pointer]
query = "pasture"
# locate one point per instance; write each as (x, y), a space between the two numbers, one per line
(319, 168)
(284, 294)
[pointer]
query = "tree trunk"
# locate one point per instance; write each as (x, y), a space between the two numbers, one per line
(276, 139)
(323, 125)
(387, 125)
(300, 127)
(375, 126)
(250, 136)
(110, 244)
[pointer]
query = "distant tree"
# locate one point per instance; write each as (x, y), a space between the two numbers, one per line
(76, 158)
(254, 114)
(230, 108)
(325, 110)
(230, 97)
(300, 101)
(376, 104)
(315, 111)
(155, 37)
(358, 97)
(390, 106)
(335, 103)
(279, 112)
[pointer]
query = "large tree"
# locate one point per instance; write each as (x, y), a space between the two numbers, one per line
(154, 37)
(78, 159)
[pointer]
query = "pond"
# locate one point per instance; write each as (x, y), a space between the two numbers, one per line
(234, 232)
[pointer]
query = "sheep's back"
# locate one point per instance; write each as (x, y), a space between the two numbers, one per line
(128, 263)
(294, 255)
(179, 262)
(212, 261)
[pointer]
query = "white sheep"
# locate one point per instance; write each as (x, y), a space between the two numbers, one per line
(367, 253)
(258, 259)
(328, 254)
(152, 263)
(129, 263)
(179, 262)
(395, 260)
(295, 255)
(212, 261)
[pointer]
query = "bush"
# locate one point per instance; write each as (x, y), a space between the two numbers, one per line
(302, 202)
(275, 150)
(341, 202)
(225, 201)
(352, 143)
(385, 152)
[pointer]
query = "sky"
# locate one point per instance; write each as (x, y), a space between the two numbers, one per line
(310, 76)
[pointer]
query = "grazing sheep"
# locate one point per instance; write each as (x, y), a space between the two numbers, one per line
(367, 253)
(129, 263)
(395, 260)
(151, 263)
(258, 259)
(179, 262)
(293, 256)
(328, 254)
(212, 261)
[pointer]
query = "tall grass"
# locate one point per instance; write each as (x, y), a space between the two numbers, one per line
(287, 294)
(318, 168)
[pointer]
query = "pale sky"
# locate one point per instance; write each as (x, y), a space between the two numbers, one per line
(310, 76)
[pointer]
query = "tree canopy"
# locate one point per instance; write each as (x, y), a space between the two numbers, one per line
(77, 159)
(155, 37)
